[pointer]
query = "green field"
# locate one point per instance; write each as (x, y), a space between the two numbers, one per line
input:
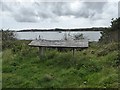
(94, 67)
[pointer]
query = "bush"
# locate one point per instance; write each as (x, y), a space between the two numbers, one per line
(110, 60)
(109, 80)
(105, 49)
(7, 38)
(88, 64)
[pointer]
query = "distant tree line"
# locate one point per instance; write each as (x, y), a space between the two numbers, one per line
(59, 29)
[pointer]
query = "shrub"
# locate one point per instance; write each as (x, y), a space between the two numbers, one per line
(111, 59)
(105, 49)
(7, 38)
(88, 64)
(109, 81)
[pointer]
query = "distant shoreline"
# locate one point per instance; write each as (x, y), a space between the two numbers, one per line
(57, 29)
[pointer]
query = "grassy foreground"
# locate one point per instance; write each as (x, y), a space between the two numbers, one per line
(95, 67)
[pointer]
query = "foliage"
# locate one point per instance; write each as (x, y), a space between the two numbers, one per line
(115, 24)
(7, 38)
(78, 37)
(22, 67)
(111, 34)
(74, 37)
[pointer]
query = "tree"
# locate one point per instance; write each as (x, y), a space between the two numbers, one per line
(115, 24)
(111, 34)
(7, 38)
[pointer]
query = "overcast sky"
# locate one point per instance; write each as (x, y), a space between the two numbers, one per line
(31, 14)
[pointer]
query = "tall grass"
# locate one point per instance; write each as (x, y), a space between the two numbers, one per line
(22, 67)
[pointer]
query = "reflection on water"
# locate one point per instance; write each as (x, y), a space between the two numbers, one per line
(91, 35)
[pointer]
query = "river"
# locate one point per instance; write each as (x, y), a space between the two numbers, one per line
(90, 35)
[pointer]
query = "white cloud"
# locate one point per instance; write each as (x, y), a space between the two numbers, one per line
(37, 14)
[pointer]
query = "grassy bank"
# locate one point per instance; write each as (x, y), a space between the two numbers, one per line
(94, 67)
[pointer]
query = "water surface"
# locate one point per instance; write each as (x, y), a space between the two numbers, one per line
(91, 35)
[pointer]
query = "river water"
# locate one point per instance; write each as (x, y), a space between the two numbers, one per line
(90, 35)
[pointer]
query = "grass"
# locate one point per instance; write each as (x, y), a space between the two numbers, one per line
(94, 67)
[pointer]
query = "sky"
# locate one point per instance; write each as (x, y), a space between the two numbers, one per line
(46, 14)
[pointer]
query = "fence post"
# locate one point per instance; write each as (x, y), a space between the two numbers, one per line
(73, 52)
(41, 52)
